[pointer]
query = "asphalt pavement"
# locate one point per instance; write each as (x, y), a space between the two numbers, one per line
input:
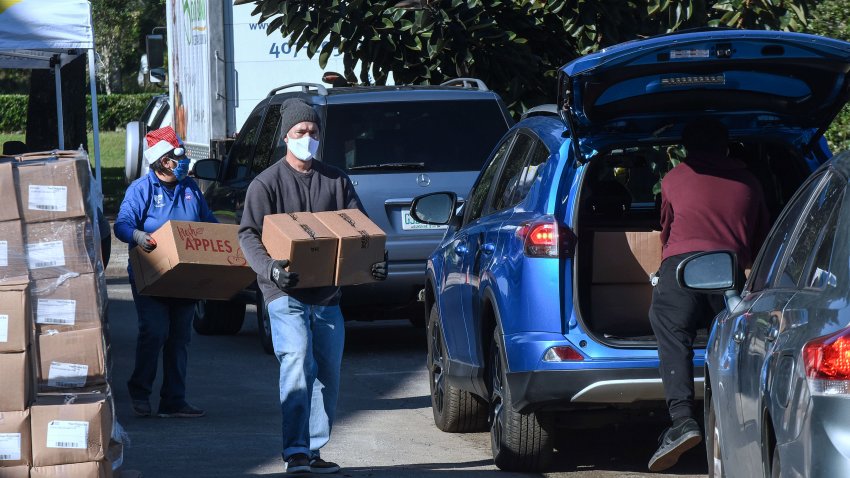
(384, 426)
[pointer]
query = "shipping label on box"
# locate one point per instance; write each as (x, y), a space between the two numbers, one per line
(13, 259)
(192, 260)
(70, 428)
(71, 360)
(15, 440)
(56, 248)
(16, 370)
(309, 246)
(89, 469)
(66, 303)
(8, 197)
(53, 189)
(361, 244)
(15, 319)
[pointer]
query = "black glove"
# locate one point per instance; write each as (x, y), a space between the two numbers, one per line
(144, 240)
(379, 269)
(282, 278)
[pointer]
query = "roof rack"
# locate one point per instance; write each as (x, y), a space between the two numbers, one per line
(550, 109)
(305, 88)
(466, 83)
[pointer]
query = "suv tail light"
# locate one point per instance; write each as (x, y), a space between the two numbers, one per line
(546, 238)
(563, 353)
(827, 362)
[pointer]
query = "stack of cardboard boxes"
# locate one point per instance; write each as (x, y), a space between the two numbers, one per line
(56, 411)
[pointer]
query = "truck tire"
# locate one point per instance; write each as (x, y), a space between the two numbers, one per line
(455, 410)
(132, 152)
(264, 328)
(218, 317)
(520, 441)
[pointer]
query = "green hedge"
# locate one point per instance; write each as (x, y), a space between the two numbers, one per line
(114, 111)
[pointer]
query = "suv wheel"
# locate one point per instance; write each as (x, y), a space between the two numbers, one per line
(264, 327)
(455, 410)
(520, 441)
(218, 317)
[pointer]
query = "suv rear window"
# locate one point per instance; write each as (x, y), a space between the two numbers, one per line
(441, 135)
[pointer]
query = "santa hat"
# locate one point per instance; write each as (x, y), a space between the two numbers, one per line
(161, 142)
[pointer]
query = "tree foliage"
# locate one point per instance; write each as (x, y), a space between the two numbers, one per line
(515, 46)
(832, 18)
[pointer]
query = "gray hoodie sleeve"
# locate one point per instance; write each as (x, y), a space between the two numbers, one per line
(258, 204)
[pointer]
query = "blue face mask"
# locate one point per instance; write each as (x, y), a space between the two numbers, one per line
(181, 170)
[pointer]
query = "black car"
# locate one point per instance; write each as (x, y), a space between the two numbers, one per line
(395, 142)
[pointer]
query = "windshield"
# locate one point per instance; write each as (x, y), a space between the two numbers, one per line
(427, 136)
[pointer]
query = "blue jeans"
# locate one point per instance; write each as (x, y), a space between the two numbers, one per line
(165, 324)
(308, 342)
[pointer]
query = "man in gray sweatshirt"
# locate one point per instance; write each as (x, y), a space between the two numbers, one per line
(307, 325)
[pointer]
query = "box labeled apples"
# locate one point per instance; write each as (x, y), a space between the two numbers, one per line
(15, 319)
(71, 360)
(309, 246)
(15, 441)
(70, 429)
(361, 244)
(192, 260)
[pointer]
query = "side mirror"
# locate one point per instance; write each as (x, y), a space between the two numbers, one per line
(434, 208)
(207, 169)
(155, 50)
(711, 272)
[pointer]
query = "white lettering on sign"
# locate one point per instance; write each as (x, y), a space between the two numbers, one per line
(695, 53)
(4, 328)
(48, 198)
(10, 446)
(67, 375)
(46, 254)
(54, 311)
(4, 253)
(67, 434)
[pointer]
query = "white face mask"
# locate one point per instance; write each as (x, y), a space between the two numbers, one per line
(303, 148)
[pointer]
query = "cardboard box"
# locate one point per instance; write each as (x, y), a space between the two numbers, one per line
(70, 429)
(13, 259)
(50, 190)
(57, 248)
(15, 319)
(66, 303)
(309, 246)
(16, 373)
(89, 469)
(192, 260)
(8, 197)
(15, 472)
(15, 439)
(71, 360)
(361, 244)
(625, 257)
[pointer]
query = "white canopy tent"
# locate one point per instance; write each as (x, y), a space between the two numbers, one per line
(47, 34)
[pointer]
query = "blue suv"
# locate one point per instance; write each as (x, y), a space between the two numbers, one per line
(537, 298)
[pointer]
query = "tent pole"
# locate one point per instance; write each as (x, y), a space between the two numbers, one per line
(94, 120)
(60, 120)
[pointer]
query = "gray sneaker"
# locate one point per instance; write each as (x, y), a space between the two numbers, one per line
(186, 411)
(322, 467)
(675, 441)
(298, 463)
(142, 408)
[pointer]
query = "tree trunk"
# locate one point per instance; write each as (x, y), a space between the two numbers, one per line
(42, 133)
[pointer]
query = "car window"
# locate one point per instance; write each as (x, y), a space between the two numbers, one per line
(530, 172)
(264, 155)
(511, 172)
(816, 223)
(239, 159)
(475, 204)
(770, 257)
(441, 135)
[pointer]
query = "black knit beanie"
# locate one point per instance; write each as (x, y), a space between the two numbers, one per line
(294, 111)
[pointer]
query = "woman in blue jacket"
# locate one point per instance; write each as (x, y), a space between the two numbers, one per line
(165, 324)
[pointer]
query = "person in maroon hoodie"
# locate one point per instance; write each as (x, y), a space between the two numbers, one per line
(708, 202)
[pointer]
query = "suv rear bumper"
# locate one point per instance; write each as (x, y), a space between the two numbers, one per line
(558, 389)
(400, 290)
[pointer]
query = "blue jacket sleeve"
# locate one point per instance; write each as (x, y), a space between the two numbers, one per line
(130, 214)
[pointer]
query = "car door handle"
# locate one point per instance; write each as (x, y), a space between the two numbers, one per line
(739, 336)
(487, 248)
(461, 249)
(773, 330)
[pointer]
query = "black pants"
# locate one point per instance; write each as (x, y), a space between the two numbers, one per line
(675, 315)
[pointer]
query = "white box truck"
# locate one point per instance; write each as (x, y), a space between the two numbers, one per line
(221, 63)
